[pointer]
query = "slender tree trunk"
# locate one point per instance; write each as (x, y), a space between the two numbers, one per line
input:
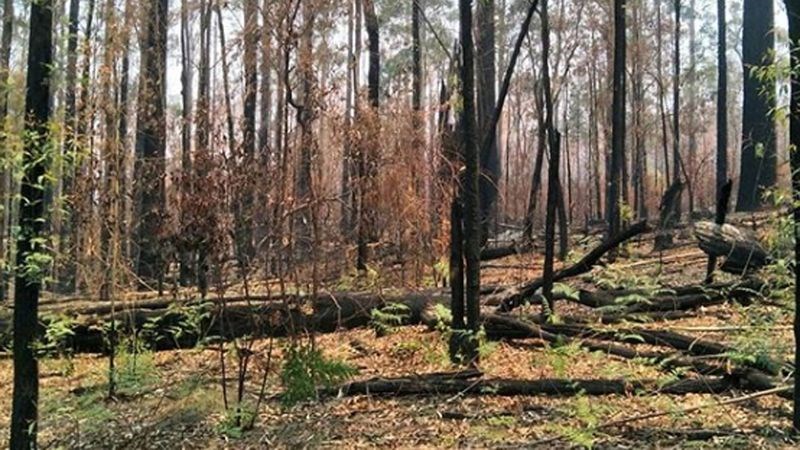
(124, 108)
(722, 99)
(485, 66)
(202, 130)
(24, 417)
(5, 173)
(368, 152)
(346, 224)
(553, 182)
(676, 109)
(186, 256)
(304, 189)
(110, 195)
(471, 196)
(661, 94)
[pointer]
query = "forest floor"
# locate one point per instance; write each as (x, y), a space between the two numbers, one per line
(173, 399)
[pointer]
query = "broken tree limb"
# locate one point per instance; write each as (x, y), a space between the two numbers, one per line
(668, 216)
(723, 203)
(516, 296)
(741, 250)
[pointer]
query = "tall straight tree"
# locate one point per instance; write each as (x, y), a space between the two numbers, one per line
(676, 108)
(793, 10)
(186, 128)
(470, 191)
(24, 411)
(554, 181)
(617, 120)
(485, 66)
(759, 152)
(368, 152)
(150, 165)
(306, 114)
(722, 99)
(5, 174)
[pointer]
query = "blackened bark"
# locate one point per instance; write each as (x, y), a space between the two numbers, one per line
(151, 140)
(676, 109)
(618, 120)
(368, 152)
(759, 153)
(722, 99)
(5, 174)
(489, 157)
(24, 417)
(553, 183)
(472, 225)
(793, 10)
(456, 275)
(416, 95)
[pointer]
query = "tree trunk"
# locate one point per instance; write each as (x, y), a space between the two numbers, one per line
(150, 167)
(471, 196)
(722, 99)
(305, 117)
(676, 110)
(186, 132)
(489, 158)
(793, 10)
(759, 151)
(369, 151)
(24, 417)
(618, 120)
(5, 174)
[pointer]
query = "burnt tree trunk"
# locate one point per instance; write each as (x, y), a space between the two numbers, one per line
(24, 410)
(722, 100)
(793, 10)
(759, 152)
(617, 120)
(486, 79)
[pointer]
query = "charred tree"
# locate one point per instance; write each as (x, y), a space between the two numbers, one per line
(793, 10)
(722, 99)
(470, 190)
(553, 182)
(24, 412)
(150, 165)
(485, 67)
(5, 174)
(617, 120)
(759, 151)
(305, 117)
(368, 151)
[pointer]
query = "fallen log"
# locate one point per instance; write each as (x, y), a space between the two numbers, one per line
(186, 325)
(511, 387)
(491, 253)
(741, 250)
(516, 296)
